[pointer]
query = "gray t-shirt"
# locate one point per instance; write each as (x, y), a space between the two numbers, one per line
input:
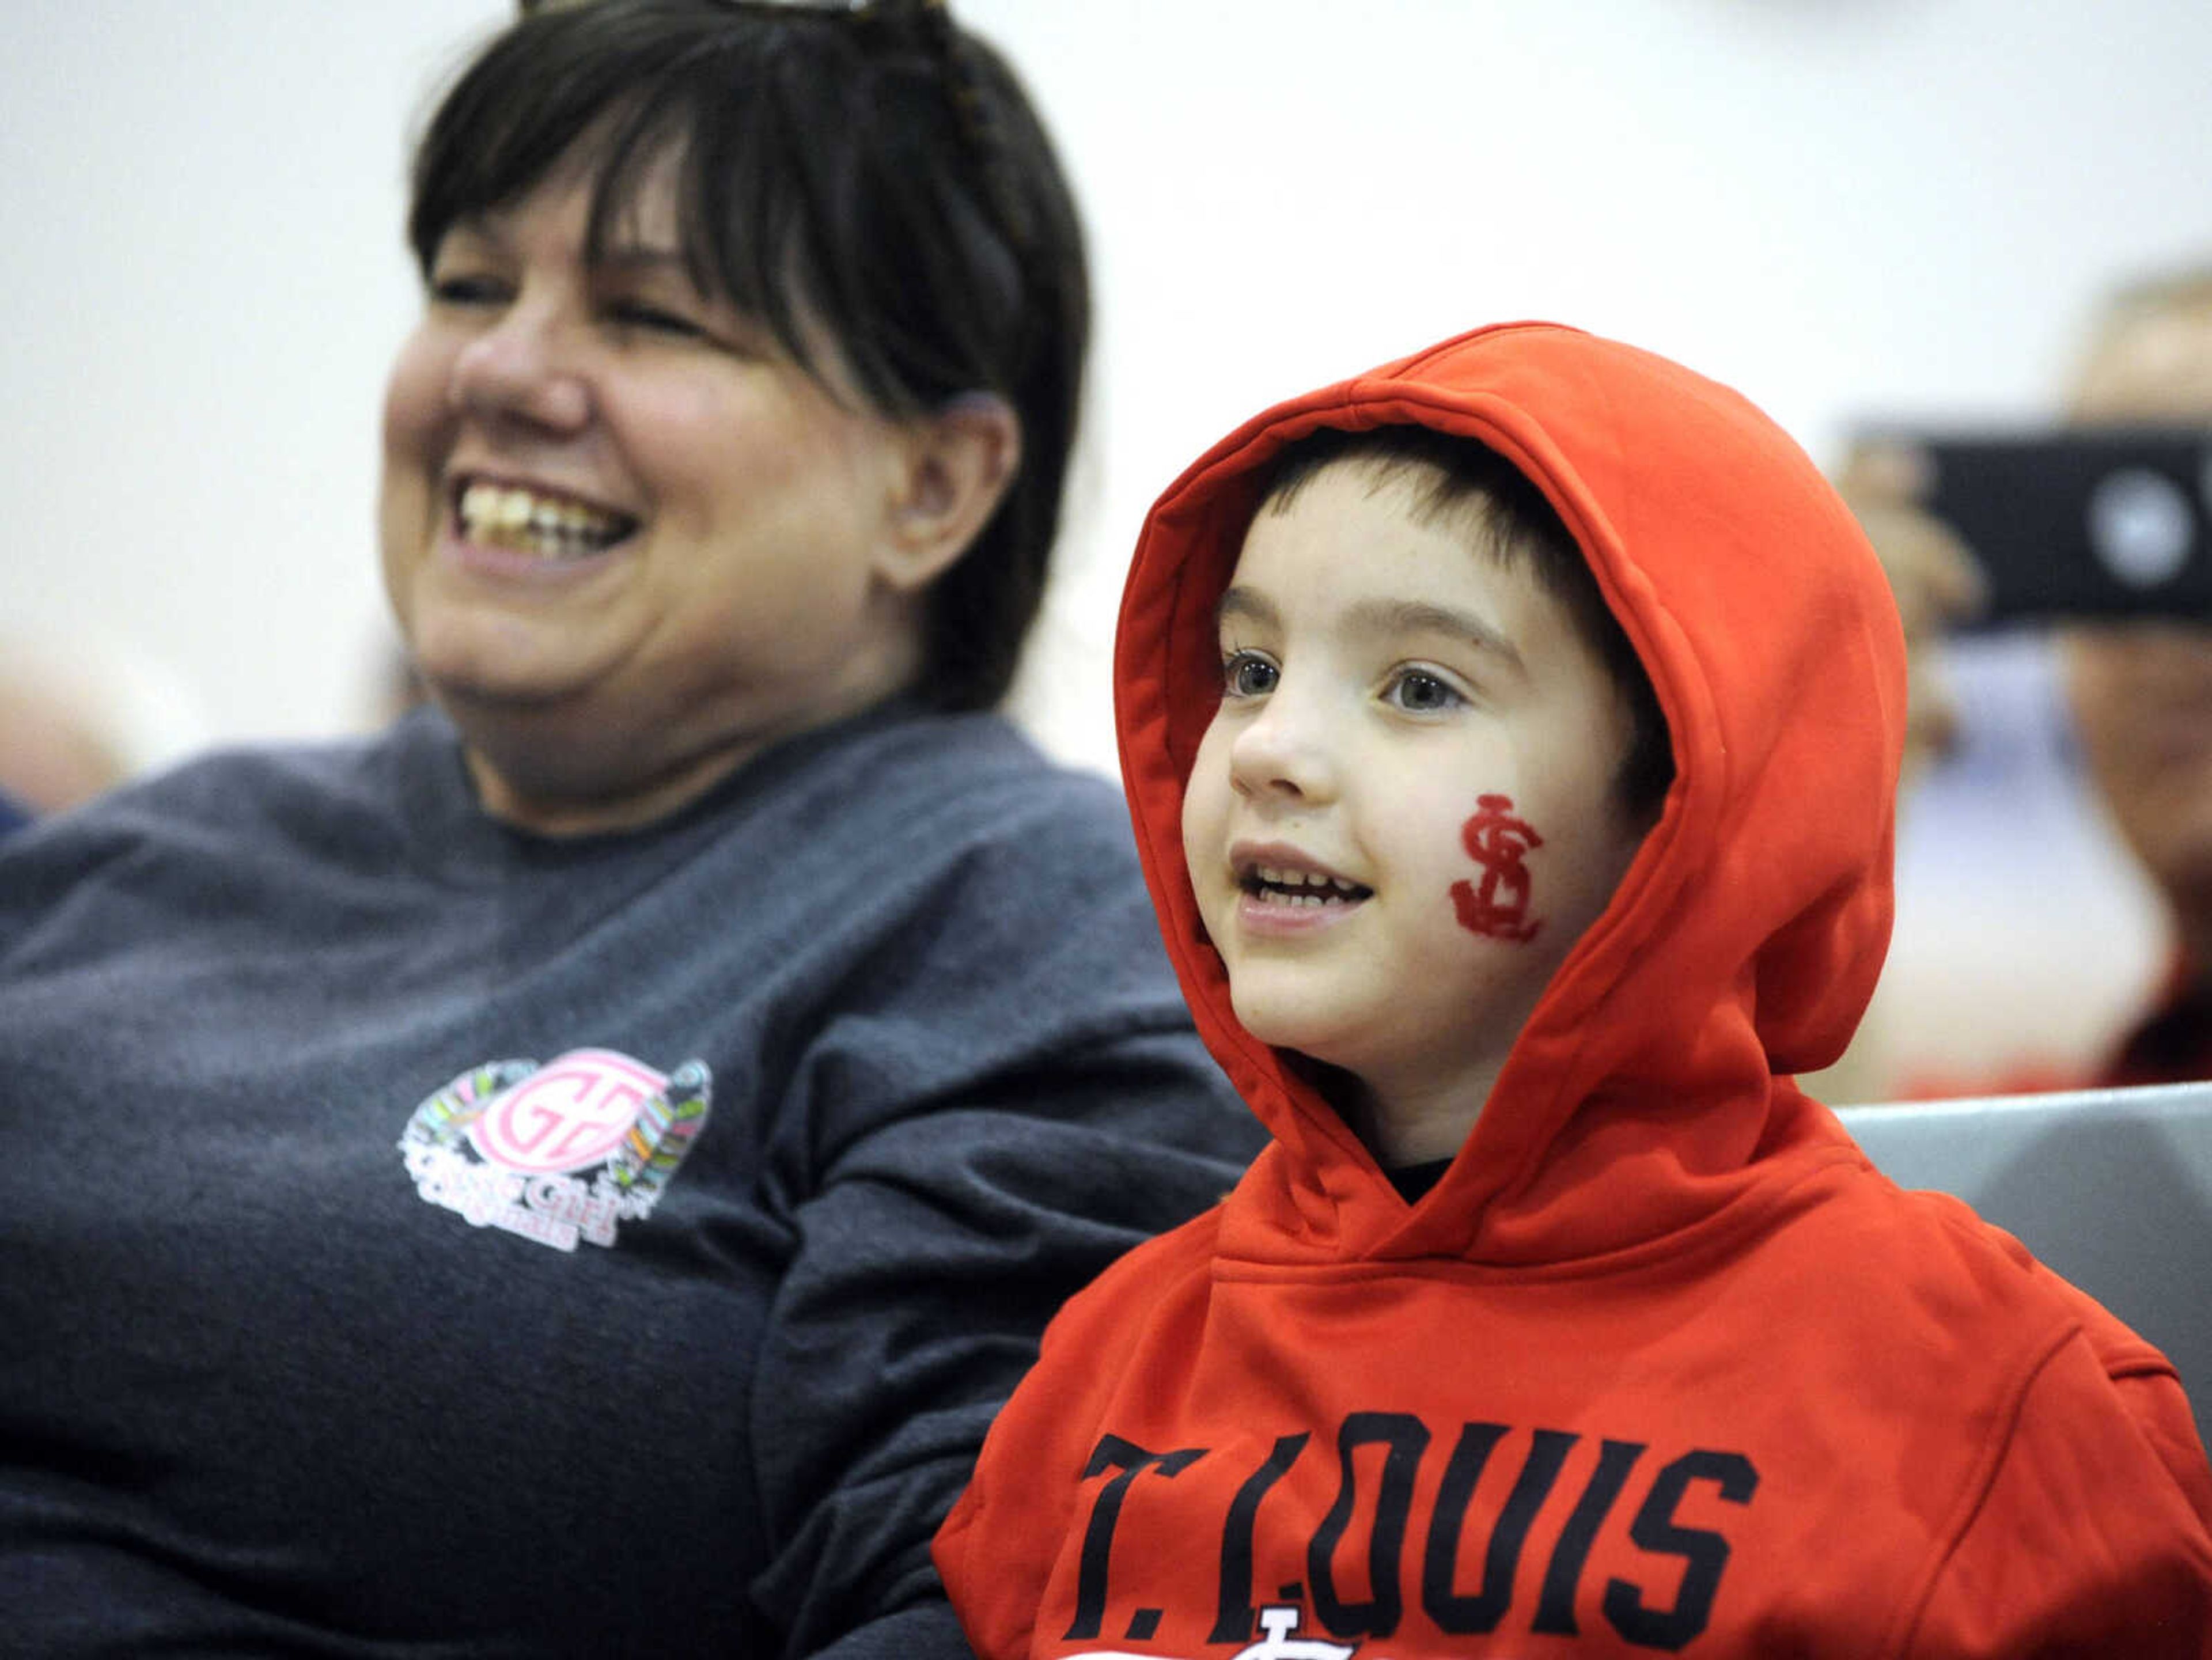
(424, 1238)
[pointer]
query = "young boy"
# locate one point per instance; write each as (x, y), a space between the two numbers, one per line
(1511, 736)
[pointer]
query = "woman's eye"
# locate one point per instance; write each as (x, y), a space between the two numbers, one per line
(1248, 674)
(1420, 693)
(460, 289)
(653, 320)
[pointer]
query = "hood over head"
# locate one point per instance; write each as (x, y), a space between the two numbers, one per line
(1651, 1085)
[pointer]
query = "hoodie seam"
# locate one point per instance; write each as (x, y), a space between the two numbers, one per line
(1974, 1498)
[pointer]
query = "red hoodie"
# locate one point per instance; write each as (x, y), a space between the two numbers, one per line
(1661, 1364)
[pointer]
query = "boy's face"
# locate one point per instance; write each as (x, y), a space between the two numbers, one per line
(1404, 813)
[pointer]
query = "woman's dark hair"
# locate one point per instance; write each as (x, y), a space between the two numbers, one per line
(1515, 523)
(874, 170)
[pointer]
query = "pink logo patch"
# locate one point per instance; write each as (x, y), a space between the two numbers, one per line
(571, 1112)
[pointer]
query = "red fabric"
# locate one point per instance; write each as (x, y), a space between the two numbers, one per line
(1661, 1364)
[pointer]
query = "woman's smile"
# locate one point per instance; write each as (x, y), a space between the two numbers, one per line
(529, 519)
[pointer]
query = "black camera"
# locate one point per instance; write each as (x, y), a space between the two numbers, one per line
(2075, 523)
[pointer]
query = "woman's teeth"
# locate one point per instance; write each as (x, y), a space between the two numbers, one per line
(495, 515)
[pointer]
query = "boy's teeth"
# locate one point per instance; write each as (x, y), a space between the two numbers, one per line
(503, 517)
(1296, 887)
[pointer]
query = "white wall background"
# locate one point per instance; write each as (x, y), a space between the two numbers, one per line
(1847, 208)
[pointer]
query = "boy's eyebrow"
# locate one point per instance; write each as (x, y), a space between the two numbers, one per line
(1245, 604)
(1383, 617)
(1389, 616)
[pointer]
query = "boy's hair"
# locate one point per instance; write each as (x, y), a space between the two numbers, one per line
(1463, 478)
(873, 172)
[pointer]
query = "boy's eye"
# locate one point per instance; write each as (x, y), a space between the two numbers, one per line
(1419, 692)
(1248, 674)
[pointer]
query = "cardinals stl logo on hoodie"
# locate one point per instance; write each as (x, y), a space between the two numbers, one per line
(1660, 1365)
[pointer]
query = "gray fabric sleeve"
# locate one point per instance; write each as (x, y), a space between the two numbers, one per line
(935, 1251)
(924, 1632)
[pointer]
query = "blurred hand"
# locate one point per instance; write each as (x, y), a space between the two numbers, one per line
(1937, 581)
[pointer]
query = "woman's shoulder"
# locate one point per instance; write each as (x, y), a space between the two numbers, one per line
(264, 831)
(985, 764)
(953, 793)
(227, 785)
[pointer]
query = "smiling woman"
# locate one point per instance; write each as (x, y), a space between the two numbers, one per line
(578, 1173)
(631, 539)
(796, 368)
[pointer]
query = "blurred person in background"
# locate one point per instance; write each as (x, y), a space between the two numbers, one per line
(2139, 692)
(53, 758)
(2142, 691)
(577, 1172)
(79, 715)
(1937, 585)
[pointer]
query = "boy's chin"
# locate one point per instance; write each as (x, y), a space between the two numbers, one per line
(1310, 1035)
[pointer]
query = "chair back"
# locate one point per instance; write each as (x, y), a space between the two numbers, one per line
(2111, 1188)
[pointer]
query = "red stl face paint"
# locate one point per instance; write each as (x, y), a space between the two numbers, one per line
(1499, 906)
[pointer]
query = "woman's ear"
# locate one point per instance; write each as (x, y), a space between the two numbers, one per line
(956, 464)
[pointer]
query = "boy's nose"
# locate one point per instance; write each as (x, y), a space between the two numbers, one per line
(519, 369)
(1283, 753)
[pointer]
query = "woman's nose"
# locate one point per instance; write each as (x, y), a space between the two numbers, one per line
(1284, 751)
(521, 368)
